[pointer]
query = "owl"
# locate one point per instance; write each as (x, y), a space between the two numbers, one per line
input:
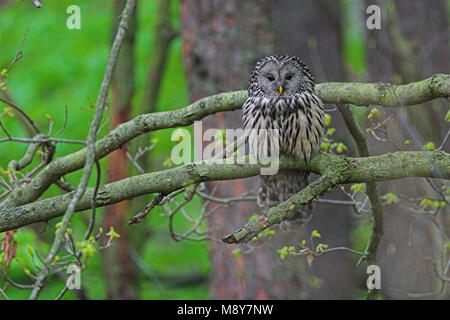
(281, 96)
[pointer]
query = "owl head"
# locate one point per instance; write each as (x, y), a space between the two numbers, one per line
(280, 76)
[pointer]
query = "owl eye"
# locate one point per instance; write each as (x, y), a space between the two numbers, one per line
(270, 78)
(289, 77)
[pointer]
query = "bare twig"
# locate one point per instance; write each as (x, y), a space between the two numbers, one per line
(15, 107)
(141, 215)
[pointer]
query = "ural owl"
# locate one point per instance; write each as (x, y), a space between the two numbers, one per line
(281, 96)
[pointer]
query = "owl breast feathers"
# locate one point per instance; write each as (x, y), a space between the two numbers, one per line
(281, 96)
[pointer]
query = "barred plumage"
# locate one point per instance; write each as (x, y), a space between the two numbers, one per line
(281, 96)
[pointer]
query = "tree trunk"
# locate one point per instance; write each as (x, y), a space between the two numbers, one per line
(119, 269)
(222, 41)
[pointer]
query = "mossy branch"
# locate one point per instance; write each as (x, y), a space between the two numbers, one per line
(431, 164)
(437, 86)
(19, 210)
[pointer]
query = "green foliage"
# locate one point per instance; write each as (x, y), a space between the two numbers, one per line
(429, 146)
(327, 119)
(285, 251)
(356, 187)
(433, 204)
(315, 234)
(374, 112)
(87, 247)
(236, 253)
(67, 68)
(320, 247)
(112, 233)
(390, 198)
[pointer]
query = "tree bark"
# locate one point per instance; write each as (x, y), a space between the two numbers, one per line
(222, 40)
(119, 270)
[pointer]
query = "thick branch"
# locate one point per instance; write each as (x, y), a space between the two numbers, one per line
(358, 93)
(121, 135)
(386, 94)
(435, 164)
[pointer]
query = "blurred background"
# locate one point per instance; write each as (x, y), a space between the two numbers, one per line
(178, 51)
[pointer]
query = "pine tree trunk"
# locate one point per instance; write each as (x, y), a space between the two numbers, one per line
(222, 41)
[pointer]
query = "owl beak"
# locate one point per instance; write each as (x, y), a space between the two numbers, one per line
(280, 89)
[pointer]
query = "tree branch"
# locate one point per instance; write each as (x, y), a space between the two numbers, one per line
(437, 86)
(386, 94)
(432, 164)
(90, 154)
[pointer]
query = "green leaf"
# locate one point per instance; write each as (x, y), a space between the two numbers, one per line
(315, 234)
(447, 116)
(320, 247)
(429, 146)
(341, 147)
(112, 233)
(425, 203)
(356, 187)
(236, 253)
(167, 162)
(330, 131)
(325, 146)
(327, 119)
(8, 111)
(407, 142)
(269, 233)
(87, 248)
(447, 246)
(390, 198)
(374, 112)
(283, 252)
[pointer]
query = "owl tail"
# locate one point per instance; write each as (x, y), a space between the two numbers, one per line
(281, 186)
